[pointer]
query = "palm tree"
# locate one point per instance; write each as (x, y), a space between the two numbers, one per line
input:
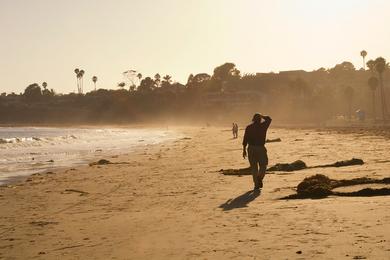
(167, 80)
(157, 79)
(81, 73)
(45, 91)
(373, 84)
(371, 65)
(77, 71)
(94, 79)
(139, 76)
(348, 92)
(380, 66)
(363, 53)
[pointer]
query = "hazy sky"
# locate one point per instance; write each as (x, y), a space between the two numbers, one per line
(44, 40)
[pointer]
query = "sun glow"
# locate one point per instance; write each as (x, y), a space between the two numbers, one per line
(182, 37)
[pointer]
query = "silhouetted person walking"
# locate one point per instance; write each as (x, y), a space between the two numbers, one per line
(254, 137)
(235, 130)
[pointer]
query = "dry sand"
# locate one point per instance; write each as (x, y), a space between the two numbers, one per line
(169, 202)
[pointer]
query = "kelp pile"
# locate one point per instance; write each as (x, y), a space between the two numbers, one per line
(321, 186)
(294, 166)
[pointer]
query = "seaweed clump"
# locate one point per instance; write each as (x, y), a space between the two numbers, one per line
(239, 172)
(317, 186)
(294, 166)
(101, 162)
(289, 167)
(353, 161)
(321, 186)
(367, 192)
(301, 165)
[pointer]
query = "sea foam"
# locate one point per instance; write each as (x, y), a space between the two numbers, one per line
(27, 150)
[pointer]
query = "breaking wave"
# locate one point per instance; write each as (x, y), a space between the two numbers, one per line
(26, 150)
(14, 140)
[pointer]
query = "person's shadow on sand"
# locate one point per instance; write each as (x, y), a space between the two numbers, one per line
(241, 201)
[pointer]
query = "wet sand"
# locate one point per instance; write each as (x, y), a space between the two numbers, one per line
(169, 201)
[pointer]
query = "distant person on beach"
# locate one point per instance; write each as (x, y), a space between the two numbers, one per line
(235, 130)
(254, 138)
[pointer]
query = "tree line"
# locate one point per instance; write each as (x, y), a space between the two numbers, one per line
(292, 96)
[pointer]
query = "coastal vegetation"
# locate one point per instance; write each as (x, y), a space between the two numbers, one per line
(290, 96)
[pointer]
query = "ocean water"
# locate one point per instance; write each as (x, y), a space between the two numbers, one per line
(28, 150)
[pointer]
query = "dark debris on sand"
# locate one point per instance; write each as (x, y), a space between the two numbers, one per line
(294, 166)
(301, 165)
(276, 140)
(321, 186)
(105, 162)
(82, 193)
(353, 161)
(315, 186)
(238, 172)
(101, 162)
(288, 167)
(43, 223)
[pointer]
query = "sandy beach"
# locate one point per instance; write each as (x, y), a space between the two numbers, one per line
(169, 201)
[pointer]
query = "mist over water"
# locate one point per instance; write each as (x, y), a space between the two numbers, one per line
(27, 150)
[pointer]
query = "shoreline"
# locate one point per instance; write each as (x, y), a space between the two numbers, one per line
(15, 180)
(371, 130)
(167, 201)
(91, 157)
